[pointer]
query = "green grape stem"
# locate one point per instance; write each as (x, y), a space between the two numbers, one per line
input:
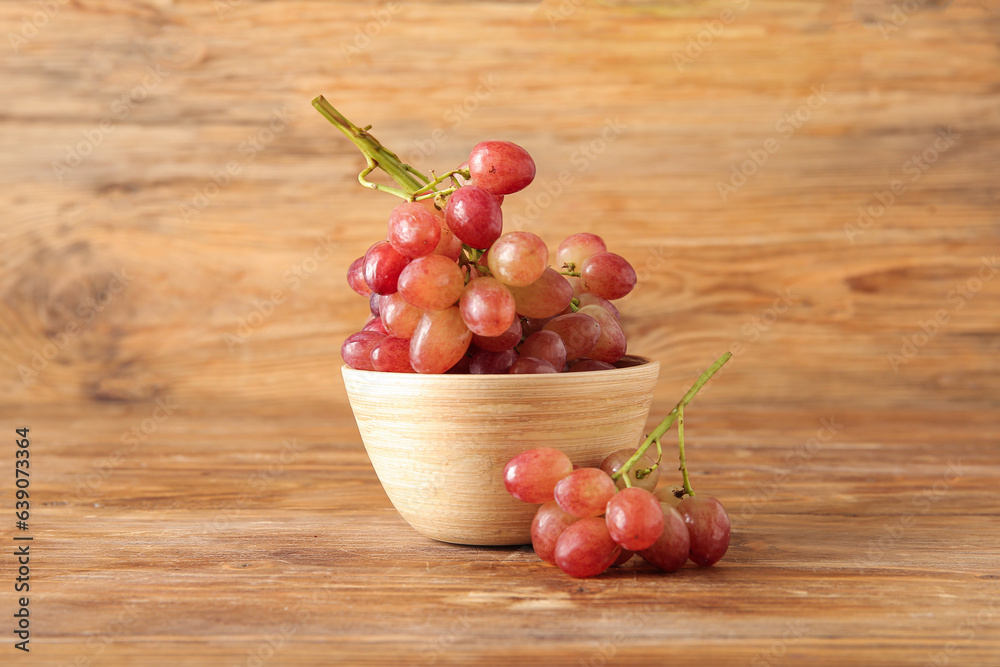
(677, 414)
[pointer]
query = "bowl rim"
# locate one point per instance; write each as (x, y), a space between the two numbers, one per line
(642, 362)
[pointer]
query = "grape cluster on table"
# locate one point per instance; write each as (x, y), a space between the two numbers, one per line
(589, 521)
(450, 292)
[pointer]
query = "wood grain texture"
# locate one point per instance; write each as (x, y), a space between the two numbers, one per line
(177, 223)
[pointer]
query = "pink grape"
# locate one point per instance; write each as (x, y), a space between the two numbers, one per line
(530, 325)
(382, 267)
(591, 299)
(356, 277)
(546, 297)
(413, 230)
(549, 523)
(610, 345)
(708, 524)
(450, 245)
(492, 363)
(670, 550)
(531, 365)
(375, 304)
(502, 167)
(375, 324)
(357, 349)
(624, 557)
(392, 355)
(578, 247)
(439, 341)
(487, 307)
(667, 496)
(579, 331)
(615, 460)
(585, 492)
(505, 341)
(634, 518)
(518, 258)
(474, 216)
(400, 318)
(433, 282)
(585, 365)
(531, 476)
(461, 366)
(607, 275)
(585, 548)
(547, 346)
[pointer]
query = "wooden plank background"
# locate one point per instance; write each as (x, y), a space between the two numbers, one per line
(810, 184)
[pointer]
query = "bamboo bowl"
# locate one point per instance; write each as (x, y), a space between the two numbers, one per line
(439, 443)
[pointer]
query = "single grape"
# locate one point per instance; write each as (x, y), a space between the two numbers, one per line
(502, 167)
(357, 349)
(607, 275)
(518, 258)
(585, 548)
(505, 341)
(392, 355)
(492, 363)
(375, 304)
(439, 341)
(634, 518)
(531, 476)
(530, 325)
(546, 297)
(474, 216)
(433, 282)
(591, 299)
(708, 524)
(382, 267)
(450, 245)
(578, 247)
(531, 365)
(375, 324)
(583, 365)
(487, 307)
(616, 460)
(579, 331)
(549, 523)
(585, 492)
(356, 277)
(547, 346)
(610, 345)
(624, 557)
(413, 230)
(670, 550)
(400, 317)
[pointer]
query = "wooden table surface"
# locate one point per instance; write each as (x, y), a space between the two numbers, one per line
(812, 185)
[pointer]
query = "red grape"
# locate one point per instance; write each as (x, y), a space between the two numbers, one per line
(357, 349)
(433, 282)
(578, 247)
(670, 550)
(505, 341)
(547, 346)
(492, 363)
(585, 492)
(549, 523)
(356, 277)
(439, 341)
(579, 332)
(585, 548)
(530, 325)
(634, 518)
(392, 355)
(591, 299)
(708, 524)
(624, 557)
(413, 230)
(615, 460)
(532, 475)
(487, 307)
(531, 365)
(382, 267)
(607, 275)
(546, 297)
(610, 345)
(375, 324)
(583, 365)
(502, 167)
(474, 216)
(518, 258)
(400, 317)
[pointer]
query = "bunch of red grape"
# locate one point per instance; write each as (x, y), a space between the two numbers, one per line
(589, 521)
(450, 292)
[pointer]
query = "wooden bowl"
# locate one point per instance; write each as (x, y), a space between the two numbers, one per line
(439, 443)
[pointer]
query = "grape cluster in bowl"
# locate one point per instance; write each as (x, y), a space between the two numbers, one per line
(449, 292)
